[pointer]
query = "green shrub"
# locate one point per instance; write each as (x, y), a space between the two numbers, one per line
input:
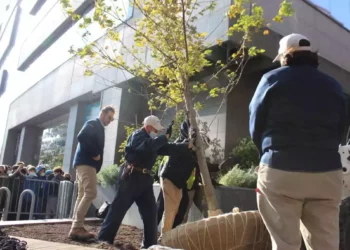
(246, 153)
(108, 176)
(238, 177)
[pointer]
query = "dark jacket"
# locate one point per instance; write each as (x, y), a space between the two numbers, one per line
(179, 168)
(91, 140)
(34, 184)
(297, 118)
(141, 150)
(54, 185)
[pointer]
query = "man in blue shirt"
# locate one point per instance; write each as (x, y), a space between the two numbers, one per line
(136, 182)
(87, 162)
(297, 118)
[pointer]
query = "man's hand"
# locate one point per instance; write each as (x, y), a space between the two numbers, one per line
(191, 145)
(169, 130)
(97, 158)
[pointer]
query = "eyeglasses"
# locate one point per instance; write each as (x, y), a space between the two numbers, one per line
(111, 118)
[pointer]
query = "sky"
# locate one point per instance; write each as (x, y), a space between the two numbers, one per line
(19, 82)
(340, 9)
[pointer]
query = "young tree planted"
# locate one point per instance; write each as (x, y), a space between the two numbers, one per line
(168, 51)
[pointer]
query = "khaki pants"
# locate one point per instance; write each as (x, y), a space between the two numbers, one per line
(87, 191)
(294, 202)
(172, 198)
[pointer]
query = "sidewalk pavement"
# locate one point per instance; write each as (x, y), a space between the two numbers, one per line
(40, 244)
(36, 222)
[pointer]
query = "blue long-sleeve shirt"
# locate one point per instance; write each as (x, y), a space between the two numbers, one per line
(141, 150)
(91, 139)
(297, 118)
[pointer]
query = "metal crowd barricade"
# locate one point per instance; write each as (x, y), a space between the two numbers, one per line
(34, 199)
(15, 186)
(32, 203)
(65, 194)
(74, 199)
(5, 207)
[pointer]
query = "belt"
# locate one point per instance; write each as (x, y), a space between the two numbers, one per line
(142, 170)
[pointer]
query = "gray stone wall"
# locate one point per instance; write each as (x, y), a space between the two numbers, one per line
(8, 156)
(29, 145)
(237, 119)
(113, 97)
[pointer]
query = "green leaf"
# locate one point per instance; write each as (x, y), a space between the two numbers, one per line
(198, 106)
(88, 72)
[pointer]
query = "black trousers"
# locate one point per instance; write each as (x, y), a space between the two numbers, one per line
(137, 188)
(182, 208)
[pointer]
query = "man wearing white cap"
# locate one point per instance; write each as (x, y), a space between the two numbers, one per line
(297, 118)
(136, 182)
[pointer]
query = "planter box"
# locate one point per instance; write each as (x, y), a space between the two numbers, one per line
(228, 198)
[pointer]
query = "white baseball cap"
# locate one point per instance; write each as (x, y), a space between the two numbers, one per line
(154, 122)
(293, 41)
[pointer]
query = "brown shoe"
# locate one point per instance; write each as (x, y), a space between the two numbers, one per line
(80, 234)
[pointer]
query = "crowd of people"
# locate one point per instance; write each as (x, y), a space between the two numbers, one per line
(40, 172)
(43, 181)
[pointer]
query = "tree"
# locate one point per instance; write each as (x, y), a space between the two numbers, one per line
(52, 146)
(166, 29)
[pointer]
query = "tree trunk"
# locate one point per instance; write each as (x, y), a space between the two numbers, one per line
(209, 190)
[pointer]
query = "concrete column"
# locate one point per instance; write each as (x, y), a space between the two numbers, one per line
(238, 110)
(8, 156)
(29, 145)
(111, 96)
(75, 123)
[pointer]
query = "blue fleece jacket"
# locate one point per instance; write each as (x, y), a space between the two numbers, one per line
(297, 118)
(141, 150)
(91, 140)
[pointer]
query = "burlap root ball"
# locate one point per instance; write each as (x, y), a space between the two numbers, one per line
(231, 231)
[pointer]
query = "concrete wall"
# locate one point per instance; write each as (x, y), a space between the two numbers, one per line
(111, 97)
(237, 119)
(67, 82)
(326, 35)
(29, 145)
(50, 28)
(9, 148)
